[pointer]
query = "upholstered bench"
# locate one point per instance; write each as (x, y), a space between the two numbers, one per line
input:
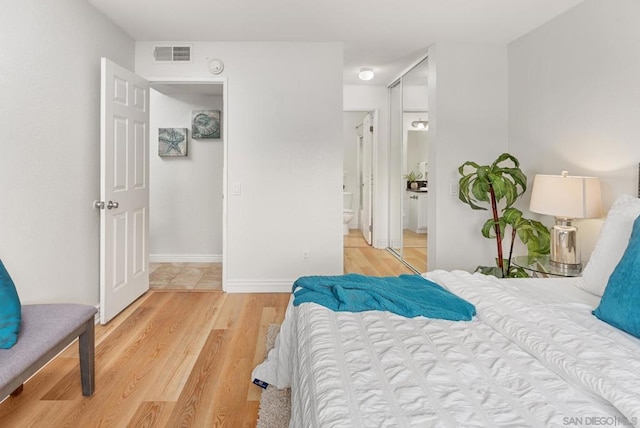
(45, 331)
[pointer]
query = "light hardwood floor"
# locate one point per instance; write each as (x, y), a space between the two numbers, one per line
(414, 249)
(172, 359)
(359, 257)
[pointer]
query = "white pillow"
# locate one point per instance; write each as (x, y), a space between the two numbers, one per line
(612, 241)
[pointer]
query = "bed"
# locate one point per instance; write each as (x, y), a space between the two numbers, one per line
(534, 355)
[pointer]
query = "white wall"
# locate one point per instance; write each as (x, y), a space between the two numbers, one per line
(185, 200)
(369, 98)
(415, 98)
(284, 149)
(50, 162)
(350, 160)
(467, 121)
(574, 97)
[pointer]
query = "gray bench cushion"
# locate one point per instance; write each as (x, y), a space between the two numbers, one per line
(44, 329)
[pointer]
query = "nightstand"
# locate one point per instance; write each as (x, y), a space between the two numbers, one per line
(540, 267)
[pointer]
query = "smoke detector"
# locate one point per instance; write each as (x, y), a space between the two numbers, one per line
(216, 66)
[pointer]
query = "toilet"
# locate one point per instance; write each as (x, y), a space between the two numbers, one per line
(347, 212)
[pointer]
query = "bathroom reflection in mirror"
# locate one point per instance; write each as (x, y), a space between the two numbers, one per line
(414, 228)
(408, 157)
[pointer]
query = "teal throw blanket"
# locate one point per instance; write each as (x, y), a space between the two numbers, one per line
(406, 295)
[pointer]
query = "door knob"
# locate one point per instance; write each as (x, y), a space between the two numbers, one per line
(112, 205)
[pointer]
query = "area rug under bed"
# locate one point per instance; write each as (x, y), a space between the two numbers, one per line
(275, 404)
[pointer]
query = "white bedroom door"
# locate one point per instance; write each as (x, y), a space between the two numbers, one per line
(124, 189)
(366, 216)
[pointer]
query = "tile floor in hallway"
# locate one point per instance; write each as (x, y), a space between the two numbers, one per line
(185, 276)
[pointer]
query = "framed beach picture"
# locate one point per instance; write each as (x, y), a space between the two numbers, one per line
(205, 124)
(172, 142)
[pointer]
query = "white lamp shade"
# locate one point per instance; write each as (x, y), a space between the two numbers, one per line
(566, 196)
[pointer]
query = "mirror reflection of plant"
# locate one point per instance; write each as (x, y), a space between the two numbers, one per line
(412, 176)
(492, 184)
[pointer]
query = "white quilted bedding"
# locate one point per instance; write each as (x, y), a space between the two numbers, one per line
(528, 359)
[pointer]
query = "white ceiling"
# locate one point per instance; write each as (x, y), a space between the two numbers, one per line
(386, 35)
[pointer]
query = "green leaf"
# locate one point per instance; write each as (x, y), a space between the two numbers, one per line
(468, 163)
(512, 216)
(517, 272)
(483, 173)
(535, 236)
(511, 195)
(478, 192)
(499, 187)
(490, 270)
(476, 207)
(488, 229)
(518, 178)
(506, 156)
(503, 226)
(463, 189)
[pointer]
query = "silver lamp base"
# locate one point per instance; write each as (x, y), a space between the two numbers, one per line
(565, 251)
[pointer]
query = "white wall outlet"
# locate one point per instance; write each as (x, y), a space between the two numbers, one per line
(237, 189)
(453, 189)
(305, 255)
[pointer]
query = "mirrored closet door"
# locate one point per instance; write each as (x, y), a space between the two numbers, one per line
(396, 190)
(409, 167)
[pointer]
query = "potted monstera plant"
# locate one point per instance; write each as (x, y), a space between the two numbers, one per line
(497, 187)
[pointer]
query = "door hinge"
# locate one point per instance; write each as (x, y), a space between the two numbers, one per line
(370, 228)
(371, 129)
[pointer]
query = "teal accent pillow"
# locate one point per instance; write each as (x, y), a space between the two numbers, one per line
(10, 311)
(620, 302)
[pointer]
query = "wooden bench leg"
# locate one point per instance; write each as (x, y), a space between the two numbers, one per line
(17, 391)
(87, 358)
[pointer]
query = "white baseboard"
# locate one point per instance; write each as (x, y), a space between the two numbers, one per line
(185, 258)
(259, 286)
(419, 230)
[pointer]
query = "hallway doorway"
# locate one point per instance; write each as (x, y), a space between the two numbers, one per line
(358, 171)
(185, 276)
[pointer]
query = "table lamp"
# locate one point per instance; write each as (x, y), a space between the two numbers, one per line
(566, 198)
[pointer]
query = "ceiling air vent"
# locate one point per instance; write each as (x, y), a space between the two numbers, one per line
(172, 53)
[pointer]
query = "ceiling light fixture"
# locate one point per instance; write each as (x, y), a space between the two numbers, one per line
(420, 124)
(366, 73)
